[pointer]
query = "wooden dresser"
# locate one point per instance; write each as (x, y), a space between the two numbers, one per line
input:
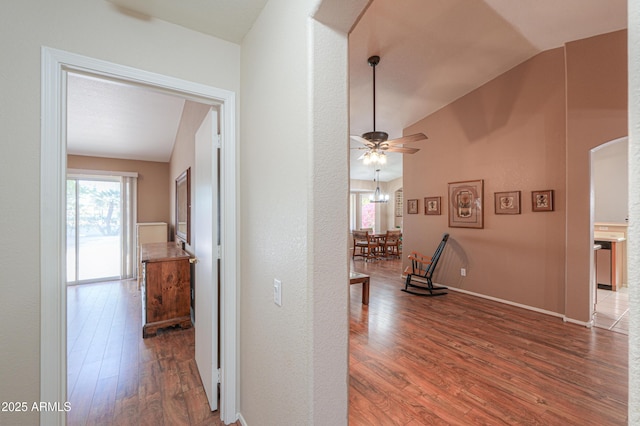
(149, 232)
(166, 293)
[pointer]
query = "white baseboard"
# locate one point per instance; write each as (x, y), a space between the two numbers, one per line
(241, 419)
(508, 302)
(588, 324)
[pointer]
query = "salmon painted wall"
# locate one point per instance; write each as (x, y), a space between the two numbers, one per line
(153, 178)
(510, 133)
(597, 113)
(522, 132)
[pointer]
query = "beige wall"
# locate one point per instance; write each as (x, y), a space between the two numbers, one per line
(183, 157)
(274, 355)
(97, 29)
(509, 132)
(520, 132)
(153, 187)
(293, 214)
(596, 113)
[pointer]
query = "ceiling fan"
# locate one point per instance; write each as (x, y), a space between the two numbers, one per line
(375, 142)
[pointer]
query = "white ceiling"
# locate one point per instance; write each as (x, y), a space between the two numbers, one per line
(432, 52)
(226, 19)
(110, 119)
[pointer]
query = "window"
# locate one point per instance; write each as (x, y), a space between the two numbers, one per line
(101, 215)
(362, 212)
(368, 219)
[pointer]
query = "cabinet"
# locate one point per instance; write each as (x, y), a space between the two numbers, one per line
(166, 292)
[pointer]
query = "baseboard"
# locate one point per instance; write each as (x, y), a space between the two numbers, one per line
(588, 324)
(508, 302)
(241, 419)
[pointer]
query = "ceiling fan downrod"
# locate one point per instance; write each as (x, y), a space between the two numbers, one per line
(374, 135)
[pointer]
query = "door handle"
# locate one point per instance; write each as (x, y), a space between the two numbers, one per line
(193, 260)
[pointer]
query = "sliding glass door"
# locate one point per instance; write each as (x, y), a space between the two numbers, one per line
(94, 229)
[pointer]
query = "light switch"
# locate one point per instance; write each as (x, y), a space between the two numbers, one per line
(277, 292)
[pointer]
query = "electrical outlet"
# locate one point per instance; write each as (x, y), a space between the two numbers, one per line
(463, 272)
(277, 292)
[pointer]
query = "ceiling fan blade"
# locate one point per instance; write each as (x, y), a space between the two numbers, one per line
(406, 139)
(362, 140)
(402, 149)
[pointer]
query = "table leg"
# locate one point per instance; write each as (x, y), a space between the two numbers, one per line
(365, 292)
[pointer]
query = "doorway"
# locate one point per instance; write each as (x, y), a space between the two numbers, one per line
(609, 212)
(55, 65)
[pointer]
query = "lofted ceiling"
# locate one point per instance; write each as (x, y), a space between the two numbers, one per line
(432, 53)
(111, 119)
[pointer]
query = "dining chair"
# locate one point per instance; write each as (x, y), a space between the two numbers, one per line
(374, 247)
(360, 244)
(391, 243)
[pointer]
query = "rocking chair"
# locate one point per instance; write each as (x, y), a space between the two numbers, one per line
(423, 267)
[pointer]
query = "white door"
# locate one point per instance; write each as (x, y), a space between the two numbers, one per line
(206, 241)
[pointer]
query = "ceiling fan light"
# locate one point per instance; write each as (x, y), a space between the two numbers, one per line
(382, 158)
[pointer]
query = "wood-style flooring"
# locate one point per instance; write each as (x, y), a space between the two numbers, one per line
(114, 377)
(450, 360)
(461, 360)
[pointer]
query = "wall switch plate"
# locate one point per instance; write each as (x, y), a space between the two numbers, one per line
(277, 292)
(463, 272)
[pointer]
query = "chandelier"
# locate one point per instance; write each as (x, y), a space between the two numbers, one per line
(374, 157)
(378, 196)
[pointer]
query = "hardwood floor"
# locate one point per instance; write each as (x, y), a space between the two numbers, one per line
(117, 378)
(454, 360)
(462, 360)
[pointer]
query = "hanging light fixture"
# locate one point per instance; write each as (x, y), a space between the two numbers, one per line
(378, 196)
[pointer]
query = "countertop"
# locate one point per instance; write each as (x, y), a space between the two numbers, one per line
(615, 237)
(623, 224)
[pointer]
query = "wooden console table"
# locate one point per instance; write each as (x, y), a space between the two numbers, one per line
(166, 287)
(356, 278)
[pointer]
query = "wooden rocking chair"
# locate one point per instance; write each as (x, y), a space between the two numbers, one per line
(423, 267)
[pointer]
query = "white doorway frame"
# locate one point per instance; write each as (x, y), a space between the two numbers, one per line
(593, 286)
(53, 164)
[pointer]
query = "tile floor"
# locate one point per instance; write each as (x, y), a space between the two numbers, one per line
(612, 310)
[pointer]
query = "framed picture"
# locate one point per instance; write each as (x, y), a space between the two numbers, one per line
(431, 205)
(465, 204)
(542, 201)
(412, 206)
(507, 202)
